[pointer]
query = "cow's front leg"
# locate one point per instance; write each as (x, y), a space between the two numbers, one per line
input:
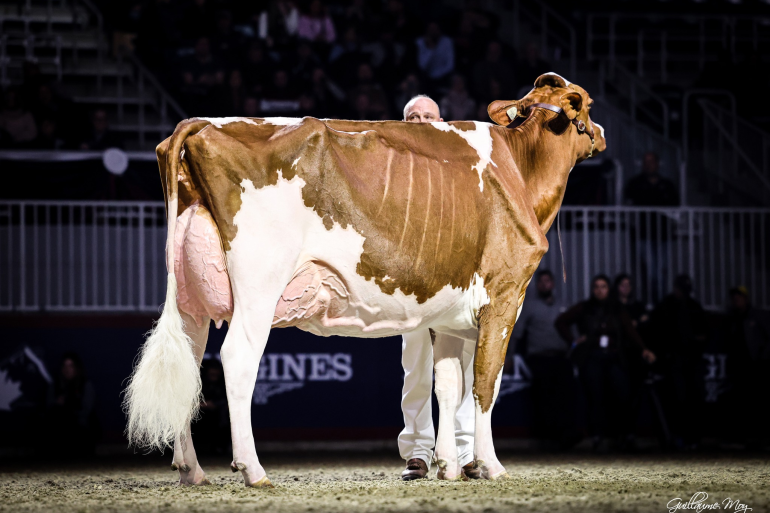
(185, 459)
(447, 361)
(495, 325)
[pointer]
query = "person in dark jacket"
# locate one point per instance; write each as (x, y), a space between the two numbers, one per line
(677, 335)
(749, 365)
(71, 401)
(212, 429)
(545, 353)
(604, 328)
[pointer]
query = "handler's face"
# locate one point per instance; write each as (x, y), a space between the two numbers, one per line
(423, 111)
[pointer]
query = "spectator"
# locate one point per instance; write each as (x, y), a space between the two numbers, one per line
(649, 188)
(327, 95)
(277, 25)
(435, 54)
(71, 401)
(388, 57)
(99, 136)
(303, 65)
(530, 67)
(16, 121)
(201, 75)
(257, 70)
(457, 104)
(495, 68)
(677, 327)
(749, 364)
(623, 292)
(236, 95)
(366, 85)
(281, 97)
(604, 327)
(653, 230)
(212, 430)
(545, 352)
(316, 25)
(468, 47)
(225, 43)
(345, 56)
(47, 136)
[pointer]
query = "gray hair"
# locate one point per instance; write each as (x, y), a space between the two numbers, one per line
(414, 99)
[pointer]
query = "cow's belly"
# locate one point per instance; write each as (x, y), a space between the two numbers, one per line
(324, 301)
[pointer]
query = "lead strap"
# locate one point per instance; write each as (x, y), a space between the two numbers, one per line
(561, 248)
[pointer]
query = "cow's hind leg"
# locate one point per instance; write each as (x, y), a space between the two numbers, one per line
(185, 459)
(447, 358)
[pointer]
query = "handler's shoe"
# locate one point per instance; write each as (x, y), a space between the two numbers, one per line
(415, 469)
(471, 471)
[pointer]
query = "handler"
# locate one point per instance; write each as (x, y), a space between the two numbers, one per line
(417, 440)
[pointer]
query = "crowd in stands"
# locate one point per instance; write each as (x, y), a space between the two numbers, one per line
(38, 116)
(340, 59)
(614, 356)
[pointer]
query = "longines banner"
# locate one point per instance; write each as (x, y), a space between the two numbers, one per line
(315, 384)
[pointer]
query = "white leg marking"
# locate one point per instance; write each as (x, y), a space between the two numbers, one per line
(485, 449)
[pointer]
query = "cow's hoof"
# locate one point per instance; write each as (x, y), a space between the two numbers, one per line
(500, 476)
(471, 471)
(444, 474)
(262, 483)
(203, 482)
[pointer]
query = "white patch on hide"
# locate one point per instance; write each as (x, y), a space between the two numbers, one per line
(278, 121)
(219, 122)
(600, 127)
(276, 216)
(296, 161)
(504, 333)
(479, 139)
(348, 133)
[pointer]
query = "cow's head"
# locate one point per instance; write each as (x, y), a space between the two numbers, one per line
(573, 120)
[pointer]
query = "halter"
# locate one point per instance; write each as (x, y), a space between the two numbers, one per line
(579, 124)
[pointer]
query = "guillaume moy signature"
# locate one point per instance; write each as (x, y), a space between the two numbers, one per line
(699, 503)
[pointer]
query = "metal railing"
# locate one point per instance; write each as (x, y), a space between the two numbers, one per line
(734, 154)
(80, 256)
(628, 141)
(635, 95)
(29, 42)
(659, 41)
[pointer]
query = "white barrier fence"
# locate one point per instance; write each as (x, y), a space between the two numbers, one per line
(79, 256)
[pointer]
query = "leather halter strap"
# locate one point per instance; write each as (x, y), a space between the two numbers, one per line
(579, 124)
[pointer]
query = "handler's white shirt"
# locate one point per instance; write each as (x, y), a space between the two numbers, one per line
(418, 438)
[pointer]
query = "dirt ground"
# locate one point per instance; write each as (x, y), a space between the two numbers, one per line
(345, 482)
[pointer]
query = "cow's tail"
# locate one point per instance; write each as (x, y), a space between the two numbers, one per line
(164, 390)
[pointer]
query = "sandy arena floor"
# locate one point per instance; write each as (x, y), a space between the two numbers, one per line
(369, 482)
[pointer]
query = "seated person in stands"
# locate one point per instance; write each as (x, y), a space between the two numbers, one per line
(99, 136)
(16, 123)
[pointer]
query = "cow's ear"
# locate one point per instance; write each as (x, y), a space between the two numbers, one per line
(550, 79)
(571, 103)
(503, 112)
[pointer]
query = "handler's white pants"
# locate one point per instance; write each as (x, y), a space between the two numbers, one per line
(418, 438)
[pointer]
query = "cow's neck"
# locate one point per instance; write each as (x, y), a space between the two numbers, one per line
(545, 161)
